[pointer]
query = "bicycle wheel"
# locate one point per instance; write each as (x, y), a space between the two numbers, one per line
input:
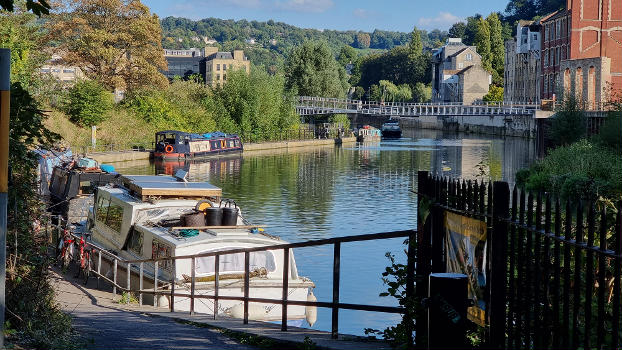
(87, 267)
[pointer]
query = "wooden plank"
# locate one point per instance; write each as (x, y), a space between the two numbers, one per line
(216, 227)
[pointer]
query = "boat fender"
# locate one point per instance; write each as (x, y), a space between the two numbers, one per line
(255, 312)
(311, 311)
(168, 149)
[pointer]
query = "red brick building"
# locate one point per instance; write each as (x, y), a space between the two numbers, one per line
(582, 51)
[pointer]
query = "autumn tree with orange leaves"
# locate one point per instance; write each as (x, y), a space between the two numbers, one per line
(116, 42)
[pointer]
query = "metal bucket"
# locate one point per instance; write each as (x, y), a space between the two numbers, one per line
(193, 219)
(213, 216)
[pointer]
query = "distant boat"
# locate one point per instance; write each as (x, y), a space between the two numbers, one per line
(173, 144)
(367, 133)
(391, 129)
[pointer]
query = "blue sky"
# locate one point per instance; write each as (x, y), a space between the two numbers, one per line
(365, 15)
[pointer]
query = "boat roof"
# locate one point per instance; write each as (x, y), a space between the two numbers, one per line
(168, 187)
(229, 236)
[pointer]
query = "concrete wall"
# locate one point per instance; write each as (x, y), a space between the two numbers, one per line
(521, 126)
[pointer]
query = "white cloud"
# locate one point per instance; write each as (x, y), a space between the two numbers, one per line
(313, 6)
(361, 13)
(443, 21)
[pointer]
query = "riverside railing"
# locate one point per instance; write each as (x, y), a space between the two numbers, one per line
(168, 287)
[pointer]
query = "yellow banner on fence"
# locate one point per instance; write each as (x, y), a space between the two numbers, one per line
(465, 246)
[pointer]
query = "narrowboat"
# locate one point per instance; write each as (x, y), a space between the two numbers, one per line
(150, 217)
(173, 144)
(391, 129)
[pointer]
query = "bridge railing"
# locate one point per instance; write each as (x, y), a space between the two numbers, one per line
(170, 287)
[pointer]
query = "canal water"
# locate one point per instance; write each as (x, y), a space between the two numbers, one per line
(315, 193)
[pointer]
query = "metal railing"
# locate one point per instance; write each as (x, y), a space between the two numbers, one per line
(161, 284)
(114, 147)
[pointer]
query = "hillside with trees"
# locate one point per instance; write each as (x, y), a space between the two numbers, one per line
(269, 43)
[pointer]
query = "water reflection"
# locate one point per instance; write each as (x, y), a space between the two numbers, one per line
(326, 192)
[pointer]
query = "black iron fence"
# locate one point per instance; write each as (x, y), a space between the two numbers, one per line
(554, 267)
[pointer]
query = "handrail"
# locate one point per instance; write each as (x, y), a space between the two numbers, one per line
(335, 305)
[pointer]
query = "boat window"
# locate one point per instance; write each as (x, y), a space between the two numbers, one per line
(166, 138)
(162, 216)
(237, 143)
(161, 250)
(115, 217)
(230, 144)
(235, 262)
(135, 241)
(215, 144)
(102, 209)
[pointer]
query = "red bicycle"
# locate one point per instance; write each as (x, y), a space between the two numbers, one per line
(67, 249)
(85, 259)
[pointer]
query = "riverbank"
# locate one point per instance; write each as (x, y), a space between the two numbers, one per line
(128, 156)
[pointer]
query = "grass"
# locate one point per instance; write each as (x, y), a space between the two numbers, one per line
(121, 128)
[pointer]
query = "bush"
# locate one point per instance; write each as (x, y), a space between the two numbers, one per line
(610, 134)
(494, 95)
(340, 119)
(569, 123)
(582, 170)
(87, 103)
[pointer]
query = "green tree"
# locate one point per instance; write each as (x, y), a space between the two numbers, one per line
(458, 30)
(482, 42)
(347, 55)
(422, 92)
(569, 122)
(416, 47)
(20, 32)
(496, 43)
(359, 93)
(363, 40)
(494, 95)
(116, 42)
(88, 102)
(311, 70)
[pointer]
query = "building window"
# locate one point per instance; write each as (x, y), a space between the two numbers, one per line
(558, 54)
(469, 57)
(217, 76)
(218, 67)
(546, 58)
(224, 77)
(224, 67)
(460, 65)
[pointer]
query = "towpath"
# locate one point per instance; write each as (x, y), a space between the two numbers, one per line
(104, 324)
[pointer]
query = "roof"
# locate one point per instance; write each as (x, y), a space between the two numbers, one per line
(168, 186)
(220, 56)
(554, 15)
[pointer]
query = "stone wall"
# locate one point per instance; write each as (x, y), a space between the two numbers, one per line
(517, 125)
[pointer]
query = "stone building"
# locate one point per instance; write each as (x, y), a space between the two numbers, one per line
(57, 69)
(210, 64)
(582, 50)
(457, 74)
(218, 63)
(523, 64)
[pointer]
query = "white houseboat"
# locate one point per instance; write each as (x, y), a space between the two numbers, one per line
(151, 217)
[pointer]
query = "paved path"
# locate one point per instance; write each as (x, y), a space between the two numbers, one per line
(107, 325)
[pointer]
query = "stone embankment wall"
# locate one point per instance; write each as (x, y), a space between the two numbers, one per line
(515, 125)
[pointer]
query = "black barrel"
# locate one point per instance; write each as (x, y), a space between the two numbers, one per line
(230, 216)
(213, 216)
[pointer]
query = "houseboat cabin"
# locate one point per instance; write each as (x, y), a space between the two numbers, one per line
(172, 144)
